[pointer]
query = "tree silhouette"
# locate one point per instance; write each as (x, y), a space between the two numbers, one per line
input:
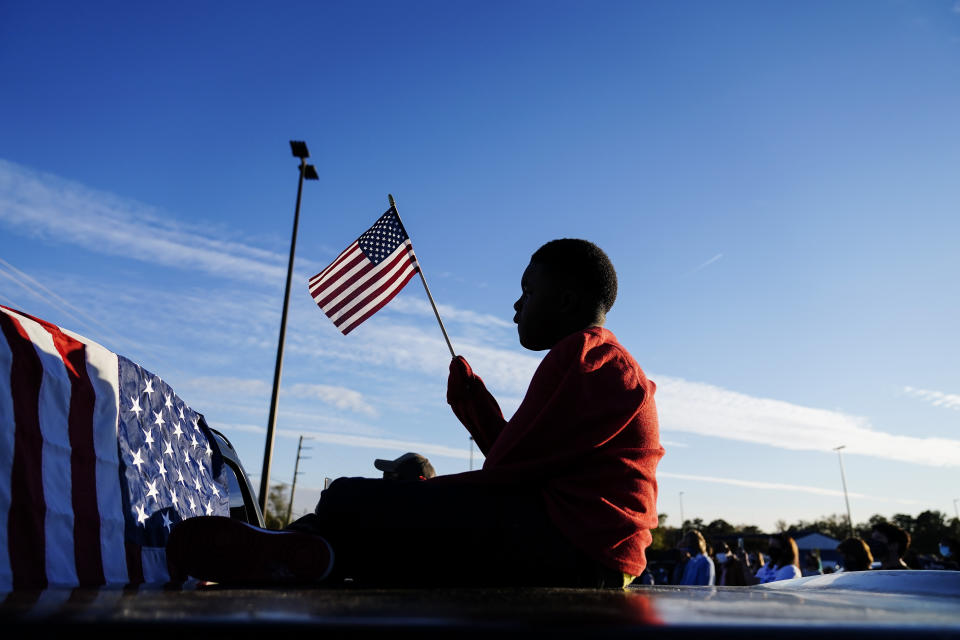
(277, 502)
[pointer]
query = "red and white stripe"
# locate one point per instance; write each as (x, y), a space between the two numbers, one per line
(352, 288)
(61, 510)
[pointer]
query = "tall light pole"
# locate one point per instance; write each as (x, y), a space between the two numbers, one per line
(307, 172)
(843, 479)
(682, 519)
(955, 511)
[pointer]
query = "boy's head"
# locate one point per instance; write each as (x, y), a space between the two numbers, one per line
(568, 286)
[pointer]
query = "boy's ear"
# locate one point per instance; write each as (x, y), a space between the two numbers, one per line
(569, 301)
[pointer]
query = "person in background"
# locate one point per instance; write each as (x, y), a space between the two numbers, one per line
(732, 570)
(950, 552)
(699, 569)
(784, 563)
(811, 564)
(680, 559)
(889, 543)
(855, 555)
(409, 466)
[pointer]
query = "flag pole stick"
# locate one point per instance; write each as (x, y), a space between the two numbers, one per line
(424, 280)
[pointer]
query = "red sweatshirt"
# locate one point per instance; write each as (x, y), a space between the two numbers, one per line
(587, 432)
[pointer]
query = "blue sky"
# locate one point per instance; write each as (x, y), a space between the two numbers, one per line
(776, 184)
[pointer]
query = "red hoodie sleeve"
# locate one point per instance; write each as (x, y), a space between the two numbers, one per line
(473, 405)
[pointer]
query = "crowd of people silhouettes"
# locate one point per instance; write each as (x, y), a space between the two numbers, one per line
(695, 561)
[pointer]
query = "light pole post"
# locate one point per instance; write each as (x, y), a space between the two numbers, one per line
(308, 172)
(682, 519)
(843, 479)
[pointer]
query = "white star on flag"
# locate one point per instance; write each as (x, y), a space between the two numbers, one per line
(141, 514)
(152, 486)
(137, 460)
(136, 406)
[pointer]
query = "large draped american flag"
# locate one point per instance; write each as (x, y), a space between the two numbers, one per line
(367, 275)
(99, 458)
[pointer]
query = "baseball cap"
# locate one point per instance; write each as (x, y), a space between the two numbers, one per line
(409, 466)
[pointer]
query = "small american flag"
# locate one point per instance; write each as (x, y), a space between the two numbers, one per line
(98, 460)
(367, 275)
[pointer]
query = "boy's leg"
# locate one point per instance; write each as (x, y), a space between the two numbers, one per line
(393, 534)
(432, 533)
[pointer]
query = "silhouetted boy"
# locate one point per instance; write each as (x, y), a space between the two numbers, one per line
(566, 495)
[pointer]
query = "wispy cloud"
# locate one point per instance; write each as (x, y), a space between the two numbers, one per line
(386, 444)
(421, 350)
(47, 206)
(422, 308)
(331, 395)
(339, 397)
(695, 407)
(37, 290)
(709, 262)
(936, 398)
(775, 486)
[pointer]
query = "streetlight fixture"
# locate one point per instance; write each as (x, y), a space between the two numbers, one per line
(307, 172)
(843, 479)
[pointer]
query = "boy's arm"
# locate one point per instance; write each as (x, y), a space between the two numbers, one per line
(473, 405)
